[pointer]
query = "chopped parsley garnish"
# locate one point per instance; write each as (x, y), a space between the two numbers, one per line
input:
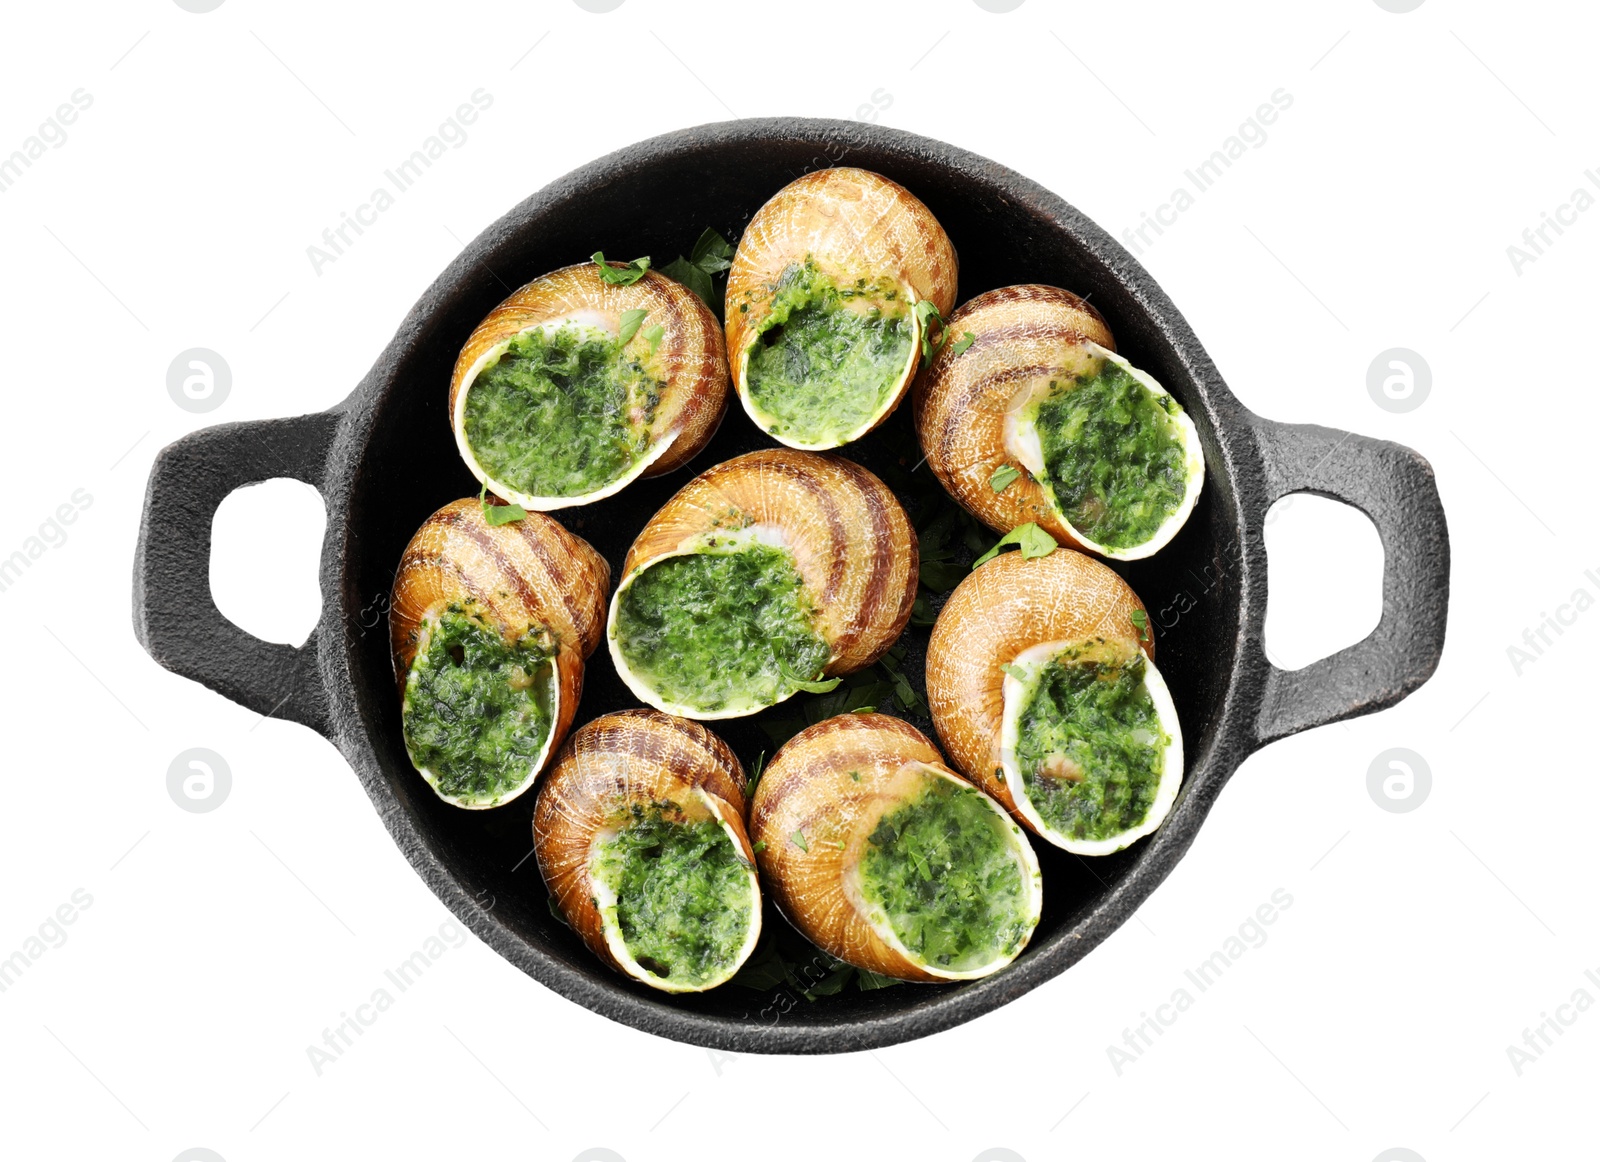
(620, 275)
(1003, 476)
(1030, 538)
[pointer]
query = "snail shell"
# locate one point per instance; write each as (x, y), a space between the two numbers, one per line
(1014, 611)
(969, 410)
(850, 224)
(688, 366)
(638, 758)
(529, 577)
(850, 541)
(831, 787)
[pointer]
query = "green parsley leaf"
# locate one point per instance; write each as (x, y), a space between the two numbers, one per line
(820, 686)
(652, 336)
(759, 846)
(800, 842)
(712, 252)
(556, 912)
(941, 576)
(691, 276)
(1030, 538)
(1016, 672)
(1003, 476)
(928, 315)
(962, 343)
(755, 776)
(864, 710)
(630, 324)
(1141, 622)
(867, 979)
(620, 275)
(495, 515)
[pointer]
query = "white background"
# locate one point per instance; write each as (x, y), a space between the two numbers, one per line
(1377, 1014)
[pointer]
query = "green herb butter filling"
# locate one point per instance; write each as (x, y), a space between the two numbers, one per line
(1090, 746)
(946, 871)
(828, 357)
(1114, 458)
(683, 898)
(477, 711)
(723, 629)
(563, 412)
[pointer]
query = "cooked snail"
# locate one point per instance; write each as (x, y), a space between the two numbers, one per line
(886, 859)
(1043, 686)
(761, 577)
(1038, 419)
(639, 833)
(824, 331)
(573, 386)
(489, 627)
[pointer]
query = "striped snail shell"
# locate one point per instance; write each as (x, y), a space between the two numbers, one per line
(823, 332)
(489, 628)
(886, 859)
(762, 576)
(551, 408)
(639, 834)
(995, 638)
(978, 416)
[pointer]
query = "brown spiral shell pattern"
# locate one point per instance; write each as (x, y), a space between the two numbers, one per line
(525, 574)
(689, 360)
(855, 224)
(852, 543)
(808, 788)
(632, 756)
(999, 610)
(1021, 334)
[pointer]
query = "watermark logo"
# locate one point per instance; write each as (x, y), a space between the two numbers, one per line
(50, 934)
(1251, 934)
(1399, 780)
(1252, 134)
(51, 133)
(336, 1041)
(199, 780)
(1538, 638)
(50, 535)
(198, 380)
(452, 134)
(1542, 1037)
(1399, 380)
(1536, 239)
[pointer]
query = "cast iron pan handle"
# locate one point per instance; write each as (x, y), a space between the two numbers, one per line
(174, 616)
(1394, 486)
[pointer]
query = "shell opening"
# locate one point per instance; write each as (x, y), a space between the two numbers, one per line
(1117, 456)
(679, 900)
(1090, 745)
(947, 879)
(561, 413)
(830, 359)
(722, 628)
(479, 711)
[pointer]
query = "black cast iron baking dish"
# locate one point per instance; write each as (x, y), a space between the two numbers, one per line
(384, 459)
